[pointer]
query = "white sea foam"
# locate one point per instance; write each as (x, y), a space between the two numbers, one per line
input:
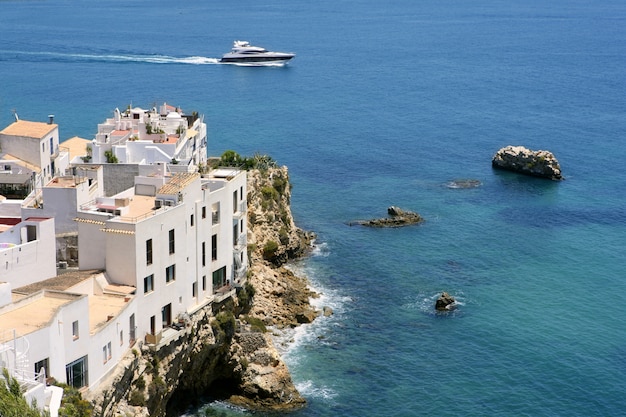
(152, 59)
(309, 389)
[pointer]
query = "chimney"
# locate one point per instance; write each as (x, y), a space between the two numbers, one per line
(50, 119)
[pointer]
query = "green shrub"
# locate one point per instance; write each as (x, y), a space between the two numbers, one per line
(110, 157)
(12, 402)
(157, 387)
(270, 193)
(140, 383)
(283, 235)
(269, 250)
(137, 399)
(280, 184)
(256, 324)
(226, 323)
(73, 404)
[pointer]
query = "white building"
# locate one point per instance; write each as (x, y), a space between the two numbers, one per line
(62, 196)
(26, 256)
(138, 136)
(36, 144)
(27, 250)
(148, 258)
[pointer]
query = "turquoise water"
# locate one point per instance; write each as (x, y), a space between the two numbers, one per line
(384, 104)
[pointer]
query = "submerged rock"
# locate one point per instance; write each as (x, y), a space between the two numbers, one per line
(525, 161)
(398, 218)
(445, 302)
(464, 183)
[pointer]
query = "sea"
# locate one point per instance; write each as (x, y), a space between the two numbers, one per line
(388, 104)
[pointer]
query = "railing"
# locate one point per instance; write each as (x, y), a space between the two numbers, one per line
(241, 243)
(239, 273)
(15, 349)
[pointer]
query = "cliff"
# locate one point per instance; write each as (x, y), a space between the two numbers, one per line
(223, 351)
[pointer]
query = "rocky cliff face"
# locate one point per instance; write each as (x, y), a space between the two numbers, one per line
(219, 353)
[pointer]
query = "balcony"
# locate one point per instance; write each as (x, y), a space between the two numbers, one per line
(241, 243)
(222, 293)
(241, 211)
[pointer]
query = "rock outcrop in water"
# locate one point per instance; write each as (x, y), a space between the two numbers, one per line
(445, 302)
(397, 218)
(222, 351)
(525, 161)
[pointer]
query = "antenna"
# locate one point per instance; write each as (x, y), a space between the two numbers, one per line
(15, 115)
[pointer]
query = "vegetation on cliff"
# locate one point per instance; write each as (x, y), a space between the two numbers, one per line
(12, 402)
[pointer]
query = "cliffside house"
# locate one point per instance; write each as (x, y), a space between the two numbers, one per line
(30, 156)
(149, 257)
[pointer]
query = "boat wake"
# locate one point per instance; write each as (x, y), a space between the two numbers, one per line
(115, 58)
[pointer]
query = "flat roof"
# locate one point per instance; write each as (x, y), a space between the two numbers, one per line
(15, 178)
(37, 313)
(60, 283)
(34, 315)
(28, 129)
(20, 162)
(77, 146)
(103, 308)
(65, 182)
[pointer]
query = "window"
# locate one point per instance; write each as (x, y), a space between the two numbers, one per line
(235, 200)
(75, 330)
(106, 353)
(132, 329)
(170, 273)
(76, 373)
(203, 282)
(172, 243)
(121, 337)
(236, 234)
(148, 284)
(43, 365)
(194, 289)
(219, 278)
(149, 252)
(191, 220)
(215, 213)
(203, 253)
(214, 247)
(204, 212)
(166, 315)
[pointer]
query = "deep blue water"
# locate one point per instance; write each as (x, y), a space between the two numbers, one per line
(384, 104)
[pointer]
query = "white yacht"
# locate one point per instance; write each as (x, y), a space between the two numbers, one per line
(245, 54)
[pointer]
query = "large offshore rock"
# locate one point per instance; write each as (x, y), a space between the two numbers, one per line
(525, 161)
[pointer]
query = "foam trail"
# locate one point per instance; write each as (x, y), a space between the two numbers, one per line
(151, 59)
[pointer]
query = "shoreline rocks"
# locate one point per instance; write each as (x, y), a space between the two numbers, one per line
(398, 218)
(522, 160)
